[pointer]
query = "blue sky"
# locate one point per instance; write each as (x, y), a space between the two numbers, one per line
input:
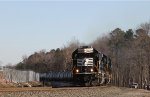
(27, 27)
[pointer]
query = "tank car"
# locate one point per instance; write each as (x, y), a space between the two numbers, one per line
(91, 67)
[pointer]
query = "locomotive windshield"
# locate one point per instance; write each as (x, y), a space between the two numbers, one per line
(85, 55)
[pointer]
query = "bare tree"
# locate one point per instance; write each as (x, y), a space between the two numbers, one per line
(146, 27)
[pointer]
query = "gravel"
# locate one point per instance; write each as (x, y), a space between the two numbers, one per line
(102, 91)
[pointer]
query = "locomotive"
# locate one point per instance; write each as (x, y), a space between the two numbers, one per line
(91, 67)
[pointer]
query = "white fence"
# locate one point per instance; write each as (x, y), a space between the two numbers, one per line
(13, 75)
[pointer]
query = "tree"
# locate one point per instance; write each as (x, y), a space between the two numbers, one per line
(146, 27)
(129, 34)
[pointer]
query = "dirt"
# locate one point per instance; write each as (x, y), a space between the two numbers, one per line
(102, 91)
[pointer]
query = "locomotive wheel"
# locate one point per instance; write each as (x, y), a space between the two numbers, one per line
(94, 83)
(101, 79)
(108, 78)
(88, 84)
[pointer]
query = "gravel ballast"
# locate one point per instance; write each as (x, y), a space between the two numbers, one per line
(80, 92)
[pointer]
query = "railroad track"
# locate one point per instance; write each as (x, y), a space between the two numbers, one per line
(21, 89)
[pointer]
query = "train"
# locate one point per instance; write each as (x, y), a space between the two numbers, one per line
(89, 67)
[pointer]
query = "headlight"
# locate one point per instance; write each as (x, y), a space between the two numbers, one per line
(77, 70)
(91, 69)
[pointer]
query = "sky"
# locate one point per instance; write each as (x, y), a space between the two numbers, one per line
(30, 26)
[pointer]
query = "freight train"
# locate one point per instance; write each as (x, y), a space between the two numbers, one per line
(89, 67)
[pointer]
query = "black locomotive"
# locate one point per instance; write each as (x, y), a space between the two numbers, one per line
(90, 66)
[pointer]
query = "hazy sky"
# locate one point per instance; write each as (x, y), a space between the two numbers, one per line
(27, 27)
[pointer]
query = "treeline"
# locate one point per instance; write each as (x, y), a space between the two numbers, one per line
(129, 51)
(130, 54)
(54, 60)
